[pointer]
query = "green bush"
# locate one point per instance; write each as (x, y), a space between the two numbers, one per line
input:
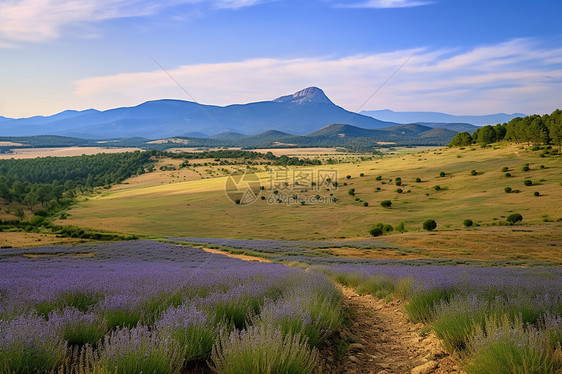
(473, 172)
(377, 230)
(399, 190)
(505, 169)
(418, 180)
(528, 182)
(442, 174)
(386, 203)
(400, 227)
(430, 225)
(437, 188)
(507, 190)
(514, 218)
(467, 223)
(378, 178)
(536, 193)
(365, 204)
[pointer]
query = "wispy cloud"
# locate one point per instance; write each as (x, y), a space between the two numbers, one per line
(40, 20)
(384, 4)
(513, 76)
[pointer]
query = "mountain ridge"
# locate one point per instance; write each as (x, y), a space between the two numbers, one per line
(299, 113)
(438, 117)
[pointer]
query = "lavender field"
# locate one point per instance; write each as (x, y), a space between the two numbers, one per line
(150, 307)
(153, 307)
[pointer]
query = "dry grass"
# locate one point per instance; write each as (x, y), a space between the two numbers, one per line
(27, 240)
(199, 208)
(62, 152)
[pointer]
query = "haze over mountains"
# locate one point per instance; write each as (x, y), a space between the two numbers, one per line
(436, 117)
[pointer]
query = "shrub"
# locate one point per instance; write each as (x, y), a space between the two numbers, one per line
(378, 285)
(526, 168)
(399, 190)
(467, 223)
(398, 183)
(262, 349)
(528, 182)
(365, 204)
(473, 172)
(400, 227)
(388, 228)
(140, 350)
(376, 230)
(378, 178)
(418, 180)
(442, 174)
(422, 305)
(437, 188)
(351, 191)
(430, 225)
(386, 203)
(362, 174)
(514, 218)
(536, 193)
(505, 169)
(348, 176)
(508, 175)
(509, 347)
(507, 190)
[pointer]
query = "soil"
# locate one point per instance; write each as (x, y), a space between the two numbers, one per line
(380, 340)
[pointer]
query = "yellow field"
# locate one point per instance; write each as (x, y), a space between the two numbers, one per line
(62, 152)
(200, 208)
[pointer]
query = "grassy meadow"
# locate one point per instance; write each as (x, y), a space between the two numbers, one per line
(199, 207)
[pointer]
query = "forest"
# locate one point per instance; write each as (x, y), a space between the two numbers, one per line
(535, 129)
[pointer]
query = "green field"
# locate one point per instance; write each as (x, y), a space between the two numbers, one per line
(200, 208)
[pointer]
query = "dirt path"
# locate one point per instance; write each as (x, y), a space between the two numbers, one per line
(240, 257)
(381, 339)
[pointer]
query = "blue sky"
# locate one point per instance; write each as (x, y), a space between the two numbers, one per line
(463, 57)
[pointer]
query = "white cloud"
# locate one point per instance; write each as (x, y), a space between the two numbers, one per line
(515, 76)
(40, 20)
(384, 4)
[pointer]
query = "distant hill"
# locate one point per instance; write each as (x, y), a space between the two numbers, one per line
(300, 113)
(436, 117)
(457, 127)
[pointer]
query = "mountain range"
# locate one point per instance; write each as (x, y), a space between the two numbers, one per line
(300, 113)
(436, 117)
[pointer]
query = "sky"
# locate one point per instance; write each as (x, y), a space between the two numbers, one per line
(465, 57)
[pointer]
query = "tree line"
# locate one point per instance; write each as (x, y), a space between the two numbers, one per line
(535, 129)
(41, 180)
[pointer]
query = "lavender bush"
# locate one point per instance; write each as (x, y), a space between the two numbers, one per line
(150, 307)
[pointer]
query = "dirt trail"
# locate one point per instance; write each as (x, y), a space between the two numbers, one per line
(381, 339)
(386, 342)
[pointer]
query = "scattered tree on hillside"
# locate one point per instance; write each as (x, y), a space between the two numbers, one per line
(430, 225)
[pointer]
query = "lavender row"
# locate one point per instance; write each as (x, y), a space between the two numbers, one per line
(154, 307)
